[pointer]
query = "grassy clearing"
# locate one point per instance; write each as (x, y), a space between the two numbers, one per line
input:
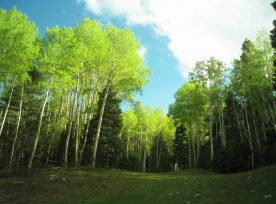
(115, 186)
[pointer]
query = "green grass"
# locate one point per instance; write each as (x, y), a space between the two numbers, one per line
(115, 186)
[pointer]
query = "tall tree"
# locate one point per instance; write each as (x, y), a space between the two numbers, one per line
(56, 49)
(109, 148)
(19, 47)
(125, 71)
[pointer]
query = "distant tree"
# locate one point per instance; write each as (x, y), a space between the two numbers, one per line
(190, 108)
(179, 151)
(211, 74)
(129, 124)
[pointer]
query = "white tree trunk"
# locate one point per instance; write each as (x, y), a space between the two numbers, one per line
(144, 159)
(249, 138)
(211, 137)
(85, 137)
(6, 111)
(17, 128)
(38, 128)
(95, 145)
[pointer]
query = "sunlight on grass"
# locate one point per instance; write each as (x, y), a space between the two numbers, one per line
(117, 186)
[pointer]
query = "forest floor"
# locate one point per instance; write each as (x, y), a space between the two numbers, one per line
(83, 185)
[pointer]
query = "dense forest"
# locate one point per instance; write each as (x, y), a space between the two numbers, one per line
(61, 96)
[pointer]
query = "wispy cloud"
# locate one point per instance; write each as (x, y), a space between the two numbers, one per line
(196, 29)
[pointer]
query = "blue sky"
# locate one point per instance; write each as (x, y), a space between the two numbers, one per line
(174, 34)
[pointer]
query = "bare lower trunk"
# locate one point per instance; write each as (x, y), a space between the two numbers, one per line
(157, 153)
(127, 143)
(77, 139)
(190, 157)
(193, 144)
(197, 139)
(67, 110)
(257, 136)
(99, 129)
(221, 127)
(78, 110)
(48, 152)
(69, 129)
(160, 150)
(17, 128)
(238, 121)
(6, 111)
(272, 110)
(249, 138)
(264, 132)
(67, 143)
(144, 159)
(211, 137)
(38, 128)
(47, 135)
(85, 137)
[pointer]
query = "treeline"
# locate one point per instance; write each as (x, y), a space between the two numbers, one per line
(225, 118)
(147, 137)
(56, 90)
(60, 99)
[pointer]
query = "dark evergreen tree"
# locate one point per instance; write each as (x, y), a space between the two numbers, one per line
(180, 148)
(164, 156)
(109, 146)
(235, 156)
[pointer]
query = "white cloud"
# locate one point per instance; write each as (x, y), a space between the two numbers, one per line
(142, 51)
(196, 30)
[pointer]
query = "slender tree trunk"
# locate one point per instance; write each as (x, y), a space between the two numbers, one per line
(57, 122)
(270, 109)
(197, 138)
(238, 121)
(85, 137)
(223, 129)
(144, 159)
(257, 136)
(78, 110)
(69, 129)
(249, 138)
(140, 149)
(193, 146)
(99, 129)
(157, 153)
(20, 144)
(127, 144)
(264, 132)
(48, 152)
(47, 133)
(211, 137)
(160, 151)
(38, 127)
(77, 136)
(190, 156)
(7, 109)
(91, 101)
(243, 123)
(17, 128)
(67, 110)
